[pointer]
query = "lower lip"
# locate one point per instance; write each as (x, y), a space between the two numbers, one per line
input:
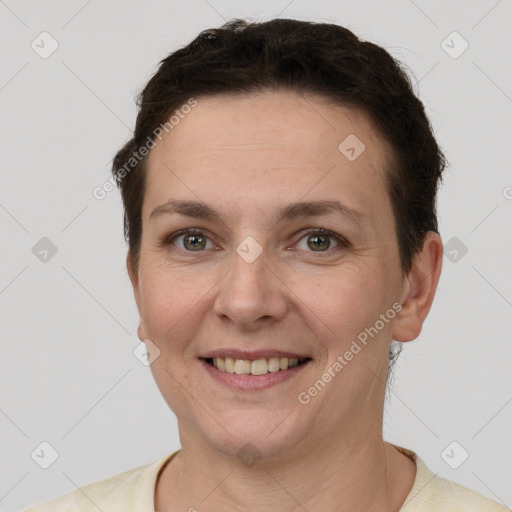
(252, 382)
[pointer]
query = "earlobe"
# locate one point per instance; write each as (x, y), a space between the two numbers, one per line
(419, 289)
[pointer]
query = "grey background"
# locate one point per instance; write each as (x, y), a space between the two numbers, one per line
(68, 325)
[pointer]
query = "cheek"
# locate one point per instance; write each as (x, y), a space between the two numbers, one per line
(169, 304)
(343, 302)
(172, 379)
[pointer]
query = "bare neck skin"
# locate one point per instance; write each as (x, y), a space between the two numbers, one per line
(366, 474)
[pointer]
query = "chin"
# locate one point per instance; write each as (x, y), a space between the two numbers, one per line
(253, 433)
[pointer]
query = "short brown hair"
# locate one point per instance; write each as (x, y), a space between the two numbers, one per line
(318, 58)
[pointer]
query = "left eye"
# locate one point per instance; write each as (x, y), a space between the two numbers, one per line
(318, 240)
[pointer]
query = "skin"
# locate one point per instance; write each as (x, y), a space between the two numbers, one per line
(246, 156)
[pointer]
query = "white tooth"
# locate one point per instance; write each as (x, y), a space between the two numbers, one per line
(273, 364)
(259, 367)
(242, 367)
(293, 362)
(229, 365)
(214, 361)
(220, 364)
(283, 363)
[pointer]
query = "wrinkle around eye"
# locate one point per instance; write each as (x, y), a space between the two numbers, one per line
(175, 241)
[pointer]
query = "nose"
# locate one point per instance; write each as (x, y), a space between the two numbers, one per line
(251, 295)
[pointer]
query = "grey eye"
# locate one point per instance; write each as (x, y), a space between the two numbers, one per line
(192, 241)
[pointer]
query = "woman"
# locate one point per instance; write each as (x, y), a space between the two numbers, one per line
(279, 195)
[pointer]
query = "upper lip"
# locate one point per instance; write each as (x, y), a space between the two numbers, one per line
(252, 355)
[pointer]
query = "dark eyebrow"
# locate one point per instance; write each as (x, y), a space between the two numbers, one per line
(291, 211)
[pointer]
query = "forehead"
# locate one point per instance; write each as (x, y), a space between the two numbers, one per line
(255, 118)
(282, 143)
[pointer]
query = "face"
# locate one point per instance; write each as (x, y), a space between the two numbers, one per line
(251, 277)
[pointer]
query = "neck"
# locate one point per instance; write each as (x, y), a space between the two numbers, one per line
(367, 475)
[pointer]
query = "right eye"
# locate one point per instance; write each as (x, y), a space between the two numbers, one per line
(190, 240)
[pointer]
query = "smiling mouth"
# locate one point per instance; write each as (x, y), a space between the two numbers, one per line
(257, 366)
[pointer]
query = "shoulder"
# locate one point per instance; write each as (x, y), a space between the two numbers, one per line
(444, 495)
(433, 492)
(456, 497)
(131, 488)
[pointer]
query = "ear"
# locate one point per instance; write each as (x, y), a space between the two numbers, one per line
(419, 289)
(134, 278)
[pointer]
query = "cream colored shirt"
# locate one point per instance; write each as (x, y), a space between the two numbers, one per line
(134, 490)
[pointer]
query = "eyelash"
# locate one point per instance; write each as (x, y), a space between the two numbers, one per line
(342, 241)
